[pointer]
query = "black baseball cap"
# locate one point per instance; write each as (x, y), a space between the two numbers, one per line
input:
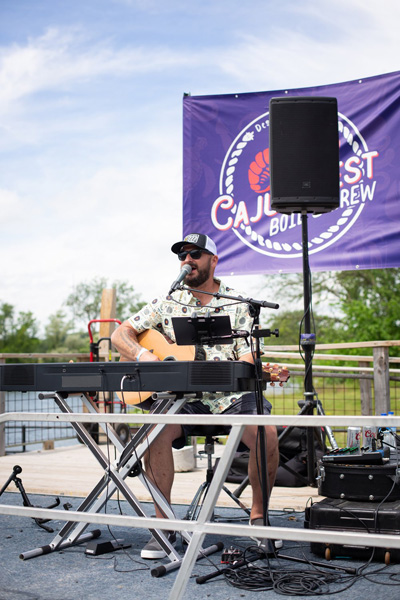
(197, 239)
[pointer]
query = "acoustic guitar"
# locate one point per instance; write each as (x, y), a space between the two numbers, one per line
(156, 343)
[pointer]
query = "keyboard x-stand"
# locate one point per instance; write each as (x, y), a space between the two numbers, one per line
(72, 533)
(231, 375)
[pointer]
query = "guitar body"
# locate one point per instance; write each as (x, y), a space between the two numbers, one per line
(156, 343)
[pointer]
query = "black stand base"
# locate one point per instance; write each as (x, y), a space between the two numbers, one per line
(196, 504)
(26, 502)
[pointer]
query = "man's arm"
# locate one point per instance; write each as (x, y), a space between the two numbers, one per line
(125, 339)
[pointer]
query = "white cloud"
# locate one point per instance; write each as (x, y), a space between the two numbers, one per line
(117, 223)
(361, 40)
(11, 208)
(91, 169)
(62, 57)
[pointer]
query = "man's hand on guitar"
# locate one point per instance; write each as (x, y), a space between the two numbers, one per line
(148, 356)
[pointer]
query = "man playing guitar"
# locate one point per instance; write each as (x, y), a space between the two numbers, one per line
(199, 252)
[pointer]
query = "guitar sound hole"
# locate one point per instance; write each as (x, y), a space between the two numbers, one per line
(170, 358)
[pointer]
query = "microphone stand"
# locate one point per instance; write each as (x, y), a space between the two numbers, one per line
(254, 309)
(258, 333)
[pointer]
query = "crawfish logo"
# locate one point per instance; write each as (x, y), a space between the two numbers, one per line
(258, 174)
(244, 207)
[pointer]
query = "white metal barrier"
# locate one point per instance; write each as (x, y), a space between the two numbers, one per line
(203, 524)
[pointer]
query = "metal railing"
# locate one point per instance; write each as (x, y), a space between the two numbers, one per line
(345, 384)
(24, 435)
(204, 524)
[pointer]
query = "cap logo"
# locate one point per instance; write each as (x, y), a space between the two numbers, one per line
(193, 238)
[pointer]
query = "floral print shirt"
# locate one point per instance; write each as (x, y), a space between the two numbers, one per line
(158, 315)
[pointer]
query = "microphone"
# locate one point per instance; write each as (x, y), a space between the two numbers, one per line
(186, 270)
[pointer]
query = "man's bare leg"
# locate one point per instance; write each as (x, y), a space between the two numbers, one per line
(159, 462)
(250, 439)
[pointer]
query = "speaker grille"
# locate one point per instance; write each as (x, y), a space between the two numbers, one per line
(210, 374)
(18, 375)
(304, 154)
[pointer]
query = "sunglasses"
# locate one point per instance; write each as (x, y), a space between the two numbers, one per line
(195, 254)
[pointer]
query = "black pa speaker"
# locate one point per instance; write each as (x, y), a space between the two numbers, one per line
(304, 154)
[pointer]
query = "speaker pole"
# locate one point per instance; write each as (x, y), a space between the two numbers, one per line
(307, 341)
(305, 128)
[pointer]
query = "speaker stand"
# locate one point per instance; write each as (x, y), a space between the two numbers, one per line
(307, 342)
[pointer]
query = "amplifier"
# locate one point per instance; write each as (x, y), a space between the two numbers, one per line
(343, 515)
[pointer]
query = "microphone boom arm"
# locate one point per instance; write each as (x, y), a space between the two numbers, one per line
(256, 304)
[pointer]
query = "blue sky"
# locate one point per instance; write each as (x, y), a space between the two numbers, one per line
(91, 120)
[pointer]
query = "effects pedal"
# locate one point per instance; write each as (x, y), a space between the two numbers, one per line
(231, 555)
(97, 548)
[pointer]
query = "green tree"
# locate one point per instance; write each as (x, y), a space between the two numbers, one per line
(85, 299)
(288, 323)
(356, 305)
(61, 337)
(6, 321)
(18, 333)
(369, 303)
(76, 342)
(56, 331)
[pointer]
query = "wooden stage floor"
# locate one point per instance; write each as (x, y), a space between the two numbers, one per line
(73, 471)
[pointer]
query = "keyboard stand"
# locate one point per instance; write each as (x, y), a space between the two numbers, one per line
(114, 479)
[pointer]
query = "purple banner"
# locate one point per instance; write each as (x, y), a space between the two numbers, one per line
(226, 182)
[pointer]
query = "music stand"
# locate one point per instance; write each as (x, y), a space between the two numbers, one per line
(199, 330)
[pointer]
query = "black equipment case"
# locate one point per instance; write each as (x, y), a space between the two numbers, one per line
(364, 482)
(341, 515)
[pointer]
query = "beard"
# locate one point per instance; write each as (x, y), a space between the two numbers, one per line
(199, 277)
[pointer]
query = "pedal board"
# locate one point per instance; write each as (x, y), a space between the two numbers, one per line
(356, 458)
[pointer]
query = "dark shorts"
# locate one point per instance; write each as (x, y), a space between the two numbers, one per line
(246, 405)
